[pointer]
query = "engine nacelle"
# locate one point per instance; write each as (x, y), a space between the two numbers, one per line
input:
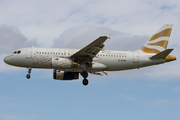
(63, 75)
(63, 63)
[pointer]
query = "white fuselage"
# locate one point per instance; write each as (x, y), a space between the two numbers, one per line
(104, 60)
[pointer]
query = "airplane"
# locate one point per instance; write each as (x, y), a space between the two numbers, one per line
(69, 63)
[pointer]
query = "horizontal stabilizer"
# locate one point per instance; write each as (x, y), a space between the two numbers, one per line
(162, 54)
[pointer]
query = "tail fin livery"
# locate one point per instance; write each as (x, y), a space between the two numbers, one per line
(159, 41)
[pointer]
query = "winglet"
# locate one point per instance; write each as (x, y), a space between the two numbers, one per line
(109, 36)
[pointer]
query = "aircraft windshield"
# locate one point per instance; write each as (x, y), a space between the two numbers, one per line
(17, 52)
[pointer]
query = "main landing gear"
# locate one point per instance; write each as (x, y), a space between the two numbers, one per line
(85, 75)
(29, 71)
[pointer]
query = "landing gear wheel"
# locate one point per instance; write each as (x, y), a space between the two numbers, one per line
(84, 74)
(28, 76)
(29, 71)
(85, 82)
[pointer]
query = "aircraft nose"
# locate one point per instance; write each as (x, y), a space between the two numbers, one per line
(7, 59)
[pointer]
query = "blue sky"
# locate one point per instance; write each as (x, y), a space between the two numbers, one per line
(104, 98)
(148, 93)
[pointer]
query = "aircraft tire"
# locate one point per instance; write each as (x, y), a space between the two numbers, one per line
(28, 76)
(85, 82)
(84, 74)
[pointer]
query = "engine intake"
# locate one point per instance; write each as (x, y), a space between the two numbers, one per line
(64, 75)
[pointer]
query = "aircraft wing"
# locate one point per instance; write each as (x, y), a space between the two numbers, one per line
(89, 52)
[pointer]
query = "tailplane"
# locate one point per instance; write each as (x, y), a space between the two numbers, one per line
(164, 55)
(159, 41)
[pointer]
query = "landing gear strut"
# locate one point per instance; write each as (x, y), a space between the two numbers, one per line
(85, 75)
(29, 71)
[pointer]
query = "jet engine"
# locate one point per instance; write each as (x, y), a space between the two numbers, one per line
(63, 63)
(64, 75)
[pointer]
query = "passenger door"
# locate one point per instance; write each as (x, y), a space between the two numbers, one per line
(29, 52)
(135, 57)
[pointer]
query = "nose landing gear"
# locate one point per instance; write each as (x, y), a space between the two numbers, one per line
(85, 75)
(28, 75)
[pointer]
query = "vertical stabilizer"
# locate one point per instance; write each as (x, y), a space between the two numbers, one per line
(159, 41)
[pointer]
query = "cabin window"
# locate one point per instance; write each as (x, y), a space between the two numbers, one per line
(111, 55)
(122, 55)
(39, 52)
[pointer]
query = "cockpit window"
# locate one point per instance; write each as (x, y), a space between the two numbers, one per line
(17, 52)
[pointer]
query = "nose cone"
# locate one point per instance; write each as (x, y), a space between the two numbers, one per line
(7, 59)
